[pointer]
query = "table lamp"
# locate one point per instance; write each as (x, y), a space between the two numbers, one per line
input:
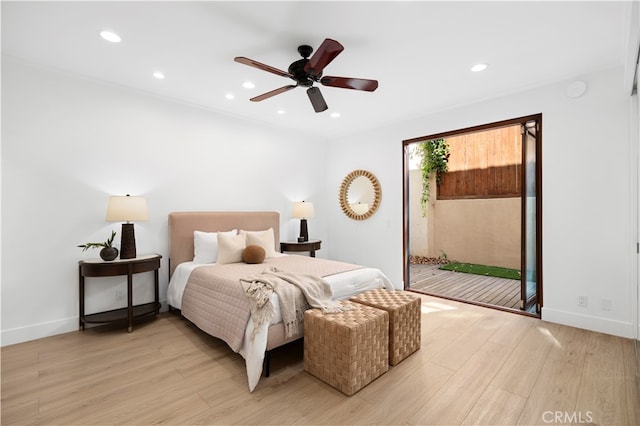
(303, 210)
(127, 209)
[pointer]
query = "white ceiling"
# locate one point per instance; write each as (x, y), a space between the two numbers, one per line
(420, 52)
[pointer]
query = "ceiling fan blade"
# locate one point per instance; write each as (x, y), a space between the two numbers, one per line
(350, 83)
(261, 66)
(326, 53)
(316, 99)
(273, 93)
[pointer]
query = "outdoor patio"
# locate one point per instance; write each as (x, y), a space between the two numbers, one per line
(428, 278)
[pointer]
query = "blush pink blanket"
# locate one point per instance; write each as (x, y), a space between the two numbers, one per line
(215, 301)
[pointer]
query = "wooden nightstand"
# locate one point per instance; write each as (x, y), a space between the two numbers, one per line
(311, 246)
(128, 267)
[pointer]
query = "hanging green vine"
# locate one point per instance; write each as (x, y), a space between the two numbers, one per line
(434, 158)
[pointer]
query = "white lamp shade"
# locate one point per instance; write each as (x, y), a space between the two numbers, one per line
(126, 209)
(303, 210)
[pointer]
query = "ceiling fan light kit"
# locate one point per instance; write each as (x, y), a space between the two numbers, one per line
(308, 70)
(316, 99)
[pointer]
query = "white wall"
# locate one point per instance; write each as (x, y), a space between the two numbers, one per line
(588, 247)
(67, 144)
(376, 241)
(635, 138)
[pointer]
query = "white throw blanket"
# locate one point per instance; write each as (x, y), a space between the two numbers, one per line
(296, 292)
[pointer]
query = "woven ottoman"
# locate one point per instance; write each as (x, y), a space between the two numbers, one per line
(404, 319)
(347, 350)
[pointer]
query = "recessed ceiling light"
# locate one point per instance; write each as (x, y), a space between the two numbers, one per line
(248, 85)
(158, 75)
(335, 114)
(479, 67)
(576, 89)
(110, 36)
(230, 96)
(281, 112)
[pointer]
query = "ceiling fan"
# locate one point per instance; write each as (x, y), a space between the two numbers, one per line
(307, 71)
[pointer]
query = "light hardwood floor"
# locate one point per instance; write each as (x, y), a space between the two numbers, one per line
(476, 366)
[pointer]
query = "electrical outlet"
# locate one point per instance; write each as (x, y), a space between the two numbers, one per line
(605, 304)
(121, 294)
(582, 301)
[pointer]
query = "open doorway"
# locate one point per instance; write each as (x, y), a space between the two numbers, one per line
(472, 232)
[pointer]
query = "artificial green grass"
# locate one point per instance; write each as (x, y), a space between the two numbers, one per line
(491, 271)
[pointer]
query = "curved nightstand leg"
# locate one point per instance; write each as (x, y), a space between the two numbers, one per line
(81, 302)
(130, 298)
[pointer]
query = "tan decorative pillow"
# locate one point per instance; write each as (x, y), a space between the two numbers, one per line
(230, 248)
(264, 239)
(253, 254)
(205, 246)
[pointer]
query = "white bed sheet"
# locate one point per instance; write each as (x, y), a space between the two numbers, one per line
(343, 285)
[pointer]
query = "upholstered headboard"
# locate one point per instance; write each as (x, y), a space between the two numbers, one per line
(182, 225)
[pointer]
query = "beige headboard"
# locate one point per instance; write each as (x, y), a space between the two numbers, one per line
(182, 225)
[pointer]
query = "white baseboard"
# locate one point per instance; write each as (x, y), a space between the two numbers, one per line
(46, 329)
(66, 325)
(38, 331)
(588, 322)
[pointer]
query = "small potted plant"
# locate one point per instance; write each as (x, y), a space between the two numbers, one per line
(108, 252)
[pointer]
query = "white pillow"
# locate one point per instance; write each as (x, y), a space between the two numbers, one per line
(264, 239)
(230, 248)
(205, 246)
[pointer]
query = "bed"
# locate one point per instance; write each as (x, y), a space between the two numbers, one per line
(209, 293)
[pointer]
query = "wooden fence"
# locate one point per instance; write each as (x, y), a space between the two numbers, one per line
(483, 165)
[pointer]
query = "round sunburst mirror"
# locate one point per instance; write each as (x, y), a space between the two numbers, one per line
(360, 194)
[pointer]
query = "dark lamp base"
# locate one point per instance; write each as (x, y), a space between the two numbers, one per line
(127, 242)
(304, 232)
